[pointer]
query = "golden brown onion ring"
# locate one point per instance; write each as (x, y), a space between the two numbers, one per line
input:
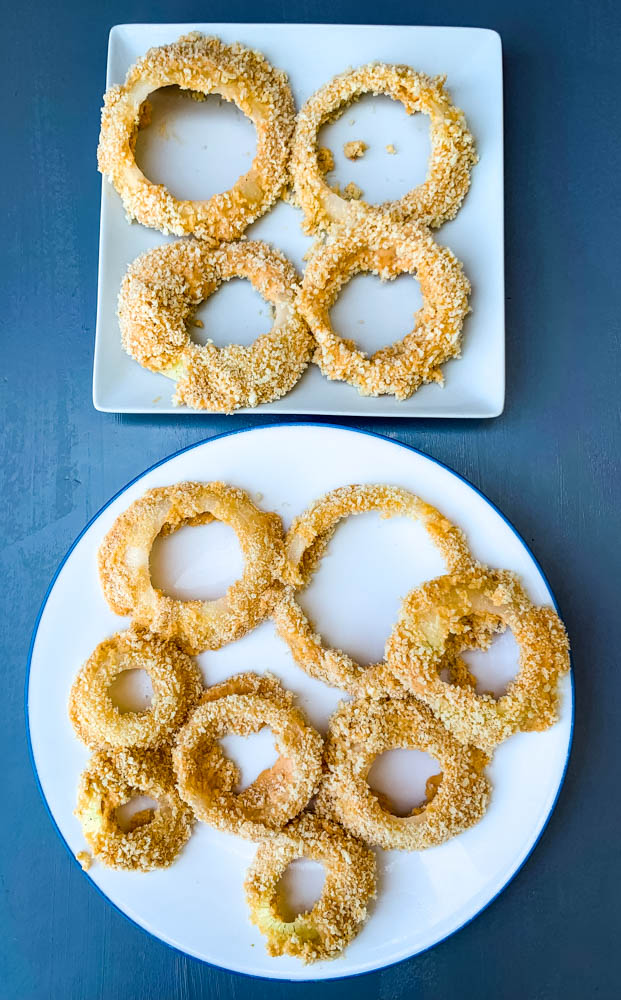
(110, 780)
(196, 625)
(206, 66)
(449, 608)
(339, 913)
(159, 295)
(177, 686)
(362, 730)
(387, 249)
(452, 149)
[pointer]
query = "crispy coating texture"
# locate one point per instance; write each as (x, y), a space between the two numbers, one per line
(158, 297)
(177, 686)
(448, 609)
(305, 544)
(362, 730)
(205, 66)
(355, 149)
(387, 249)
(110, 780)
(339, 913)
(325, 160)
(206, 778)
(452, 150)
(195, 625)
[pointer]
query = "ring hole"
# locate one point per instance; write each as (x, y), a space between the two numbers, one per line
(380, 122)
(252, 754)
(137, 812)
(399, 779)
(196, 562)
(496, 667)
(299, 888)
(131, 691)
(375, 313)
(386, 557)
(195, 148)
(234, 314)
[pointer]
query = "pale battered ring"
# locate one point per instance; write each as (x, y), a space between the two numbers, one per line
(197, 625)
(207, 66)
(159, 294)
(305, 544)
(452, 150)
(177, 686)
(206, 778)
(110, 779)
(337, 916)
(449, 607)
(362, 730)
(387, 249)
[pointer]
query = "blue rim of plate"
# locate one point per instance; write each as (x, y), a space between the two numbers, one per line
(181, 451)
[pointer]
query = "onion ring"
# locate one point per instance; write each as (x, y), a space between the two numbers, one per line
(305, 544)
(111, 779)
(449, 607)
(387, 249)
(206, 66)
(177, 686)
(159, 294)
(362, 730)
(206, 778)
(452, 150)
(196, 625)
(337, 916)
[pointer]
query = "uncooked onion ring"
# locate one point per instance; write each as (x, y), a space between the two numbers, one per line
(387, 249)
(305, 544)
(177, 686)
(362, 730)
(196, 625)
(452, 149)
(206, 778)
(339, 913)
(159, 295)
(110, 780)
(448, 608)
(206, 66)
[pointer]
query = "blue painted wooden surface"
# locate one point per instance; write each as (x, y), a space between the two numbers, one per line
(550, 463)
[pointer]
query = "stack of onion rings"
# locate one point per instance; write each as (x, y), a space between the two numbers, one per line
(206, 66)
(159, 294)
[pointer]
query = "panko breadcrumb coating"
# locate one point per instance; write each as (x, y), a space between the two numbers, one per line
(355, 149)
(84, 859)
(325, 160)
(205, 66)
(387, 249)
(449, 607)
(452, 150)
(339, 913)
(197, 625)
(361, 731)
(177, 686)
(159, 294)
(110, 780)
(206, 778)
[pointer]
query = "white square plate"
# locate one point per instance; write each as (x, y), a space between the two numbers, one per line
(200, 148)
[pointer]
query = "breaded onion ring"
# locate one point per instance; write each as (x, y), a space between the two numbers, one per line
(362, 730)
(196, 625)
(206, 66)
(337, 916)
(159, 294)
(206, 778)
(110, 780)
(305, 544)
(452, 149)
(448, 608)
(387, 249)
(177, 686)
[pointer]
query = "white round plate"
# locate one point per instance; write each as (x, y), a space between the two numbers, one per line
(198, 905)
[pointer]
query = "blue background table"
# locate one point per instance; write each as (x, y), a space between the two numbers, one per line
(550, 463)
